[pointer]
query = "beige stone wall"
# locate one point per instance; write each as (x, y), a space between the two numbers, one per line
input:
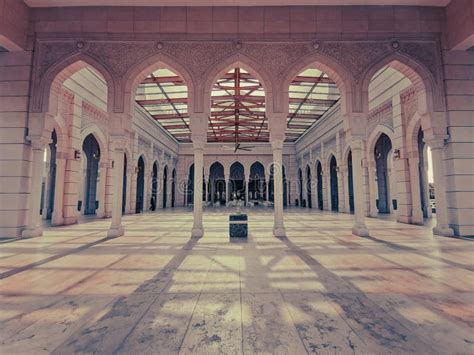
(15, 154)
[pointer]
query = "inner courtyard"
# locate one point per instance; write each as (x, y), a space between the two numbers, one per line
(241, 177)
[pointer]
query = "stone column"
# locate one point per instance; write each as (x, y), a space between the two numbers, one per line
(372, 187)
(206, 189)
(131, 177)
(267, 186)
(57, 218)
(159, 192)
(227, 188)
(198, 229)
(417, 212)
(442, 225)
(34, 228)
(278, 224)
(116, 229)
(359, 228)
(344, 171)
(101, 189)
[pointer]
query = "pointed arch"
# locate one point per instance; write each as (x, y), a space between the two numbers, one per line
(99, 137)
(52, 80)
(375, 135)
(135, 75)
(241, 61)
(429, 90)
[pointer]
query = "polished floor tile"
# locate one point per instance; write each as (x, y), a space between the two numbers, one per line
(156, 290)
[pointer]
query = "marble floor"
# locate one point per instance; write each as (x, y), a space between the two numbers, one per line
(158, 291)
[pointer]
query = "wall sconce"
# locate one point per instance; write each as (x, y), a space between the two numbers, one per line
(77, 154)
(137, 169)
(396, 154)
(337, 169)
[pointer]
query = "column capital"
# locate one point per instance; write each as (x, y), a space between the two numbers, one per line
(436, 142)
(277, 142)
(199, 144)
(39, 142)
(118, 143)
(356, 142)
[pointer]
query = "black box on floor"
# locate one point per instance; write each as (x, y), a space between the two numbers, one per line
(238, 227)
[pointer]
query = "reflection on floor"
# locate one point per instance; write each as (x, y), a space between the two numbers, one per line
(158, 291)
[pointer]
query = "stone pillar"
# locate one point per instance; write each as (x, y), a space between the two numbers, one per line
(131, 177)
(417, 212)
(33, 227)
(373, 212)
(227, 188)
(344, 171)
(359, 228)
(159, 192)
(198, 230)
(116, 229)
(426, 189)
(57, 218)
(442, 225)
(206, 189)
(278, 224)
(101, 189)
(267, 186)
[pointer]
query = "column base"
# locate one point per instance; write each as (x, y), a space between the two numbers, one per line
(115, 232)
(360, 231)
(32, 232)
(197, 232)
(279, 232)
(56, 222)
(444, 231)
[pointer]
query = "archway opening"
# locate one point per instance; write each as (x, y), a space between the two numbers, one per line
(311, 94)
(319, 172)
(49, 181)
(237, 113)
(334, 184)
(383, 158)
(217, 189)
(164, 95)
(140, 185)
(308, 187)
(257, 183)
(237, 181)
(91, 151)
(350, 182)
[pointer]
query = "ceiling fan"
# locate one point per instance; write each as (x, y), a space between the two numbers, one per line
(239, 147)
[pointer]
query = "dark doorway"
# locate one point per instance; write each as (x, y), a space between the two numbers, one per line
(334, 187)
(319, 171)
(140, 185)
(92, 154)
(350, 182)
(52, 174)
(217, 190)
(381, 153)
(425, 203)
(237, 178)
(285, 188)
(257, 183)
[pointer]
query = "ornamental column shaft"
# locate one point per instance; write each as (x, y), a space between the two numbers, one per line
(278, 224)
(34, 228)
(359, 228)
(116, 229)
(417, 212)
(442, 225)
(197, 230)
(58, 217)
